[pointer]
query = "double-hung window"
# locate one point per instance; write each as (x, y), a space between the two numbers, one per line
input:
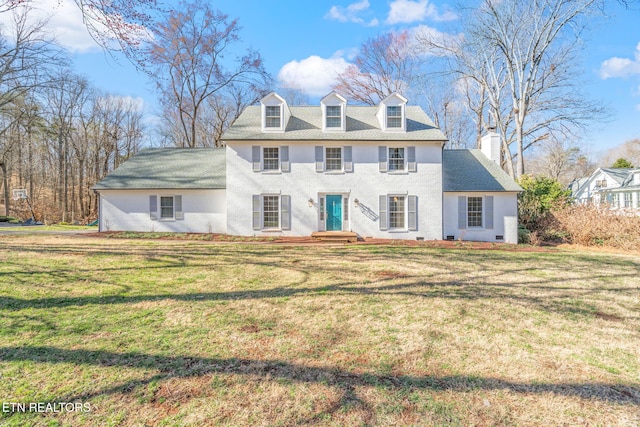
(271, 211)
(394, 117)
(474, 211)
(334, 116)
(333, 158)
(627, 200)
(396, 159)
(272, 116)
(270, 159)
(165, 207)
(397, 212)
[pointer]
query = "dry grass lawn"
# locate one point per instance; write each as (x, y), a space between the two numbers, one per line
(192, 333)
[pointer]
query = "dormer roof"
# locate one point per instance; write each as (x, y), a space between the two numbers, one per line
(275, 113)
(334, 109)
(333, 97)
(392, 113)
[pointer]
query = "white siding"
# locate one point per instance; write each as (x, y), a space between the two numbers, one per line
(505, 215)
(205, 211)
(366, 183)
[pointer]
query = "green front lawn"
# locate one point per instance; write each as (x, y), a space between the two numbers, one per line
(191, 333)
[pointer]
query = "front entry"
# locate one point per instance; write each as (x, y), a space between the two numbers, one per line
(334, 212)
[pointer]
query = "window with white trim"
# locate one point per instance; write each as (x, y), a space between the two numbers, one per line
(271, 211)
(270, 158)
(474, 211)
(333, 116)
(628, 200)
(333, 158)
(394, 116)
(396, 159)
(166, 207)
(272, 116)
(397, 212)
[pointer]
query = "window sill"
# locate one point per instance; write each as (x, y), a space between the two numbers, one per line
(398, 172)
(272, 172)
(334, 172)
(271, 230)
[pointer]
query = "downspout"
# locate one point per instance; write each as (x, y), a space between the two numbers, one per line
(99, 210)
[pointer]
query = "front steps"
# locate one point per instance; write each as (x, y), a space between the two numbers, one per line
(335, 236)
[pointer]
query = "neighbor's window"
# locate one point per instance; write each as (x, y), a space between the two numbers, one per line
(270, 159)
(272, 117)
(474, 211)
(627, 200)
(334, 116)
(166, 207)
(394, 117)
(396, 212)
(396, 159)
(333, 159)
(271, 211)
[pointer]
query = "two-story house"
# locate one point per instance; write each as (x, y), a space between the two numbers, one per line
(373, 171)
(617, 188)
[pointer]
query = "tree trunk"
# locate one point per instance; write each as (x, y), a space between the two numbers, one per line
(5, 184)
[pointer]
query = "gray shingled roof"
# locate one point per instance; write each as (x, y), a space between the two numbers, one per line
(620, 175)
(470, 170)
(167, 168)
(361, 124)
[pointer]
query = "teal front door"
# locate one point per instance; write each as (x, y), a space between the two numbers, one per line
(334, 213)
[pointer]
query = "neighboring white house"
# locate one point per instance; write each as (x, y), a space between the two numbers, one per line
(376, 171)
(618, 188)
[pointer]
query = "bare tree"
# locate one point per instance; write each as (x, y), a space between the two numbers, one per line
(65, 99)
(561, 160)
(25, 56)
(529, 51)
(189, 64)
(384, 65)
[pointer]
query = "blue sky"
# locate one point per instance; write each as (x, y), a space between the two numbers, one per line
(307, 42)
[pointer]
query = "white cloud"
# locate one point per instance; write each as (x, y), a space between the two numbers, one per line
(314, 75)
(407, 11)
(351, 13)
(621, 67)
(64, 23)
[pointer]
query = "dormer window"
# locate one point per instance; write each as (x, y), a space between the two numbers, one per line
(392, 113)
(394, 117)
(333, 113)
(272, 117)
(275, 113)
(334, 116)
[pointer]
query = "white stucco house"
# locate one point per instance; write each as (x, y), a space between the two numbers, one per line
(294, 171)
(618, 188)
